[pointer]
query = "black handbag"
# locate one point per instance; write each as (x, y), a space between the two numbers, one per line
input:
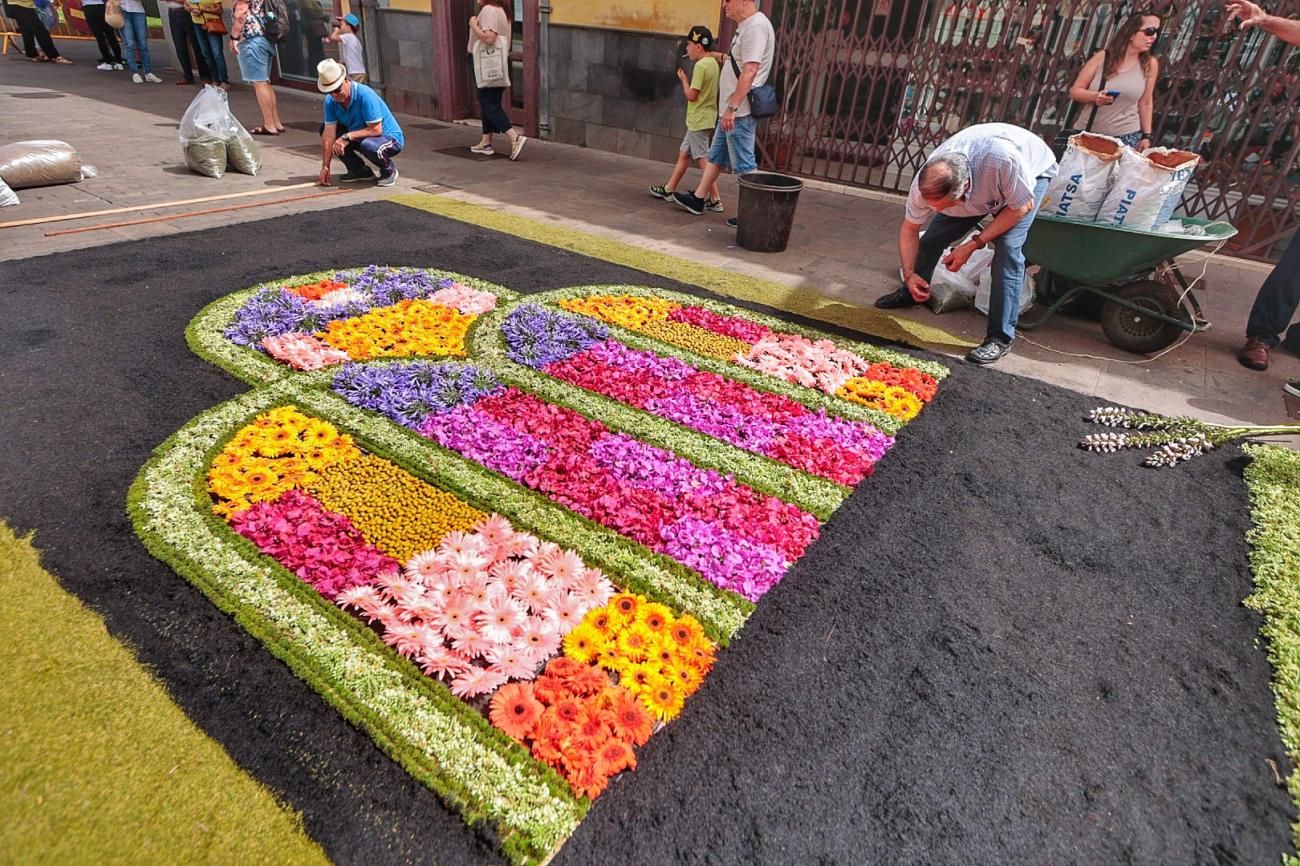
(1062, 140)
(763, 101)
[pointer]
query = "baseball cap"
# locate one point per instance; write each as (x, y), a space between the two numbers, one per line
(701, 36)
(352, 19)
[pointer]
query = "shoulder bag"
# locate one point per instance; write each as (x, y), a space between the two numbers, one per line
(113, 14)
(212, 20)
(763, 101)
(491, 68)
(1062, 140)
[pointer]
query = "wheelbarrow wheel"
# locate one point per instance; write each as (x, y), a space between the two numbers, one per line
(1134, 332)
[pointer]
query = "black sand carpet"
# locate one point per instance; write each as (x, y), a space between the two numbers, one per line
(1002, 649)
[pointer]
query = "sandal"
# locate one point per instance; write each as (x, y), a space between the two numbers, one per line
(63, 60)
(262, 130)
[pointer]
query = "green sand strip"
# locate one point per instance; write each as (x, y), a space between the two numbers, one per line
(799, 301)
(1273, 477)
(99, 765)
(438, 739)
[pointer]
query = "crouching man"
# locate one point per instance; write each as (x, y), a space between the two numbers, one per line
(357, 124)
(990, 168)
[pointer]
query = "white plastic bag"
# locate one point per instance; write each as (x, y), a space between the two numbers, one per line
(954, 290)
(1148, 186)
(43, 162)
(1084, 178)
(985, 290)
(7, 196)
(205, 126)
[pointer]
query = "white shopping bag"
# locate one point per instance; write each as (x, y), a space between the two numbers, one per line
(985, 289)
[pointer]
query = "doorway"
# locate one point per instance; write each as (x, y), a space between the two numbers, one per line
(457, 98)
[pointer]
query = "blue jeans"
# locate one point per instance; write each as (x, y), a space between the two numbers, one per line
(1008, 262)
(735, 149)
(185, 45)
(211, 47)
(1278, 298)
(136, 36)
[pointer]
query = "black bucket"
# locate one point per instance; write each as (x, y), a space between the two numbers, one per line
(766, 212)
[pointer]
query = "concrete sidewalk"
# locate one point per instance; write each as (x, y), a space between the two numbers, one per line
(843, 245)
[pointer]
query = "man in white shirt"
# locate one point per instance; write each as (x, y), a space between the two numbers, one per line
(990, 168)
(746, 65)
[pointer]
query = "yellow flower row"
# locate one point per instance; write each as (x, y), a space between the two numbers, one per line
(623, 310)
(650, 649)
(406, 328)
(279, 450)
(695, 338)
(899, 402)
(394, 510)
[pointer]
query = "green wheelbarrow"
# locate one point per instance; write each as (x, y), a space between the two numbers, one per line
(1146, 300)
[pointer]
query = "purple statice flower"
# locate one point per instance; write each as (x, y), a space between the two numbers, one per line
(408, 393)
(272, 313)
(644, 465)
(718, 420)
(724, 558)
(536, 336)
(387, 286)
(481, 438)
(619, 355)
(855, 436)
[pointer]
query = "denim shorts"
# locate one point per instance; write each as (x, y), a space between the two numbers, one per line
(255, 55)
(735, 149)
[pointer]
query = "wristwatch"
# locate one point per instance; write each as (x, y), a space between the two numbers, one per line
(979, 242)
(732, 109)
(347, 136)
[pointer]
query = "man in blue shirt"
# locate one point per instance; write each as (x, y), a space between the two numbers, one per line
(357, 124)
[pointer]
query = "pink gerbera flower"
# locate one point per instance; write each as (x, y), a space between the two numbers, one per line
(477, 588)
(464, 568)
(494, 529)
(406, 638)
(473, 644)
(459, 543)
(564, 612)
(564, 567)
(512, 664)
(520, 544)
(532, 591)
(476, 681)
(456, 619)
(443, 663)
(423, 567)
(538, 638)
(364, 598)
(425, 610)
(509, 572)
(498, 619)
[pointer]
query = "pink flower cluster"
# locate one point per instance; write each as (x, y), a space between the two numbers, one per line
(303, 351)
(471, 302)
(322, 547)
(486, 607)
(735, 537)
(729, 326)
(825, 366)
(758, 421)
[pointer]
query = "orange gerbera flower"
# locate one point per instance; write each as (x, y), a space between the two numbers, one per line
(654, 617)
(685, 631)
(590, 681)
(614, 757)
(601, 621)
(625, 604)
(562, 667)
(569, 711)
(631, 721)
(588, 781)
(515, 710)
(549, 689)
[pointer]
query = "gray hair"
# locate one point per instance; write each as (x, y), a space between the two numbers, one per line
(944, 176)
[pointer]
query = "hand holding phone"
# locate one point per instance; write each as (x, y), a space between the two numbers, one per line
(1113, 94)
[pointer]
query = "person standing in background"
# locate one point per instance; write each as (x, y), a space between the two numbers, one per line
(37, 43)
(255, 53)
(351, 54)
(490, 26)
(701, 92)
(1123, 107)
(184, 42)
(209, 28)
(110, 50)
(136, 36)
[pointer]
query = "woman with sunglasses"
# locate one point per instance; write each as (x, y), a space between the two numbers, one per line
(1116, 85)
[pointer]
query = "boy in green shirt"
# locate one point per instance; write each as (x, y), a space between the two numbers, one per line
(701, 92)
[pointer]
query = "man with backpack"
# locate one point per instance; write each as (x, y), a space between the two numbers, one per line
(257, 25)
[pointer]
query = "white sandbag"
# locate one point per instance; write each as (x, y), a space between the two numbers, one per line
(1085, 176)
(956, 290)
(44, 162)
(1148, 186)
(7, 196)
(985, 290)
(204, 128)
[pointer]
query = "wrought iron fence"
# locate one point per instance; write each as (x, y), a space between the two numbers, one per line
(870, 86)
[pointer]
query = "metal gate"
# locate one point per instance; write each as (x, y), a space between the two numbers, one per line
(870, 86)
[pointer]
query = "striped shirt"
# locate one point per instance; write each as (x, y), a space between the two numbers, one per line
(1005, 163)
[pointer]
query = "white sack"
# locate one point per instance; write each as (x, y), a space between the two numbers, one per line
(1085, 176)
(1148, 186)
(43, 162)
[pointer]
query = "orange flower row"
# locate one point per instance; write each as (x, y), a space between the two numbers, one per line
(407, 328)
(896, 401)
(317, 290)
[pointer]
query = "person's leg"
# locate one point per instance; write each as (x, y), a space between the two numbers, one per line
(95, 21)
(23, 17)
(1009, 274)
(719, 158)
(266, 102)
(679, 168)
(181, 25)
(43, 38)
(942, 233)
(129, 38)
(1278, 298)
(485, 114)
(201, 65)
(715, 194)
(379, 150)
(137, 22)
(216, 50)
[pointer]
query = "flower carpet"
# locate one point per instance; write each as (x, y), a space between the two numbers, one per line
(508, 536)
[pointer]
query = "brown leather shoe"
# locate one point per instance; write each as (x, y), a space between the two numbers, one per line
(1254, 354)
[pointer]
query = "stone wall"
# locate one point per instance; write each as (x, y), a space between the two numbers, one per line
(616, 91)
(406, 43)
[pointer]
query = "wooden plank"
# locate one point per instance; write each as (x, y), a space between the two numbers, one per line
(98, 213)
(193, 213)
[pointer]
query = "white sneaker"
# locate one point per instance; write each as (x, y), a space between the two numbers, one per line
(105, 67)
(118, 67)
(520, 141)
(136, 78)
(388, 181)
(483, 149)
(152, 79)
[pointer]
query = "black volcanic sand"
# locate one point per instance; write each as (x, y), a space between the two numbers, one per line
(1001, 650)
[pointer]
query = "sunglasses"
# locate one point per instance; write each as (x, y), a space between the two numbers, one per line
(1150, 31)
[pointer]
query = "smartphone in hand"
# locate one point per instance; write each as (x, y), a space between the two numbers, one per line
(1113, 94)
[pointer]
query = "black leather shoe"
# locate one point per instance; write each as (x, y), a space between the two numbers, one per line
(988, 352)
(896, 300)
